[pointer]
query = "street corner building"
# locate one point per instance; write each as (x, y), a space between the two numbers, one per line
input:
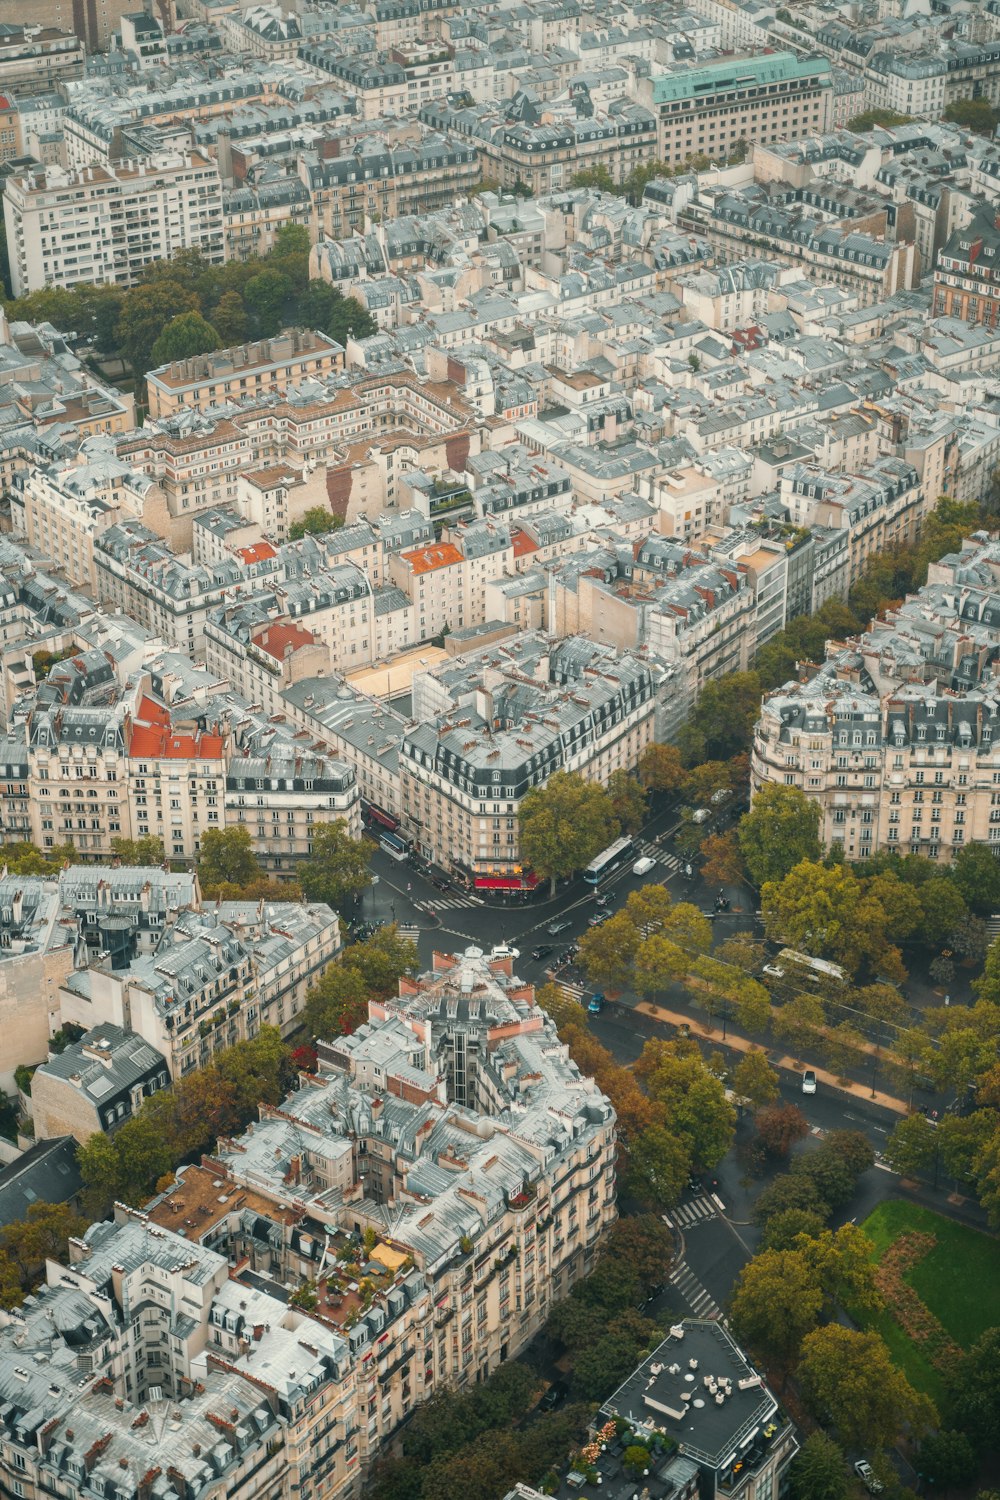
(402, 1222)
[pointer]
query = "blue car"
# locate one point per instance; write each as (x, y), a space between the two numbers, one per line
(595, 1004)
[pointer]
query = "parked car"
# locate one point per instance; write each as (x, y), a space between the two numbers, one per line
(866, 1474)
(595, 1004)
(542, 951)
(643, 866)
(809, 1081)
(556, 927)
(598, 918)
(554, 1396)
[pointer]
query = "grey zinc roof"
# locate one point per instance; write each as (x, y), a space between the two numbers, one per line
(124, 1060)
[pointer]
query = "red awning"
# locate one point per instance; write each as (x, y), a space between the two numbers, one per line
(501, 883)
(386, 819)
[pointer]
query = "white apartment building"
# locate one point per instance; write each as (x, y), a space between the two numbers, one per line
(104, 223)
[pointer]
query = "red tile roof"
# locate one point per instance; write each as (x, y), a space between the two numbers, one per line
(426, 559)
(522, 543)
(153, 739)
(275, 638)
(259, 552)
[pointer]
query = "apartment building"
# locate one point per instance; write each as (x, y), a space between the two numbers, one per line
(493, 724)
(693, 611)
(37, 955)
(360, 730)
(241, 1396)
(95, 1085)
(215, 977)
(966, 284)
(103, 223)
(36, 59)
(706, 108)
(881, 509)
(94, 24)
(242, 373)
(376, 180)
(896, 736)
(137, 572)
(925, 81)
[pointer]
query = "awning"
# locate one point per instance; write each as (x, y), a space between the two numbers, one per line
(378, 816)
(505, 882)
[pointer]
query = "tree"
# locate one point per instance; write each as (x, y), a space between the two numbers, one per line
(559, 1005)
(962, 1140)
(843, 1262)
(147, 850)
(628, 801)
(834, 1169)
(755, 1082)
(721, 861)
(337, 869)
(184, 336)
(595, 177)
(947, 1459)
(659, 1164)
(779, 1127)
(942, 908)
(819, 1470)
(661, 768)
(43, 1234)
(723, 720)
(607, 953)
(848, 1378)
(776, 1302)
(703, 781)
(874, 118)
(799, 1022)
(564, 825)
(786, 1193)
(317, 521)
(339, 317)
(780, 831)
(227, 857)
(977, 115)
(825, 910)
(145, 312)
(976, 873)
(974, 1398)
(783, 1229)
(382, 960)
(267, 298)
(123, 1167)
(693, 1100)
(229, 319)
(911, 1146)
(644, 1244)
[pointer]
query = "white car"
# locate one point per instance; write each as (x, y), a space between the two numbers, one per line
(809, 1081)
(643, 866)
(865, 1473)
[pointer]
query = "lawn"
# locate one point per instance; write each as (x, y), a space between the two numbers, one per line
(959, 1282)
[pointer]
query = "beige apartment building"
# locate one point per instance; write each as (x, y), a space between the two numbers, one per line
(241, 373)
(896, 736)
(881, 508)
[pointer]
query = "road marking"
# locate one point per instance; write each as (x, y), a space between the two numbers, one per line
(695, 1295)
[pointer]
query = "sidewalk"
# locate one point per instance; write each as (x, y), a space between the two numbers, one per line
(789, 1064)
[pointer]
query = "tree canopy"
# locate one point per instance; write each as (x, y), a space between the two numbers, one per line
(565, 824)
(337, 869)
(779, 832)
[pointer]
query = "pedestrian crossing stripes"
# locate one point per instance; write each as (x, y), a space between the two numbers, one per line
(654, 851)
(572, 991)
(701, 1303)
(694, 1212)
(447, 903)
(408, 931)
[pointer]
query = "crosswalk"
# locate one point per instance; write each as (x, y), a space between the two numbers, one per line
(695, 1212)
(700, 1301)
(572, 991)
(447, 903)
(408, 931)
(664, 860)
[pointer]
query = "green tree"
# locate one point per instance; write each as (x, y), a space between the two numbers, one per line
(977, 115)
(974, 1394)
(799, 1023)
(976, 873)
(911, 1146)
(693, 1100)
(227, 858)
(186, 335)
(873, 118)
(382, 960)
(783, 1229)
(787, 1193)
(43, 1234)
(124, 1167)
(564, 825)
(723, 719)
(755, 1082)
(775, 1303)
(659, 1163)
(825, 910)
(317, 521)
(779, 832)
(962, 1139)
(943, 909)
(268, 298)
(819, 1470)
(850, 1376)
(341, 318)
(145, 312)
(337, 869)
(844, 1265)
(947, 1460)
(595, 177)
(607, 953)
(628, 801)
(661, 768)
(147, 850)
(229, 319)
(721, 861)
(779, 1126)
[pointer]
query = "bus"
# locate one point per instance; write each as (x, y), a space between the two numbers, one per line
(617, 854)
(802, 968)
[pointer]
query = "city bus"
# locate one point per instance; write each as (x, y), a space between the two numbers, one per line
(616, 855)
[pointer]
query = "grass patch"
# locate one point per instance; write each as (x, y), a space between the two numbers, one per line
(959, 1282)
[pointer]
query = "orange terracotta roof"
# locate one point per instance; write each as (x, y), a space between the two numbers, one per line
(274, 638)
(522, 543)
(153, 739)
(259, 552)
(426, 559)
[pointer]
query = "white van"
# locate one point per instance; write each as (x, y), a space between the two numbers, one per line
(643, 866)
